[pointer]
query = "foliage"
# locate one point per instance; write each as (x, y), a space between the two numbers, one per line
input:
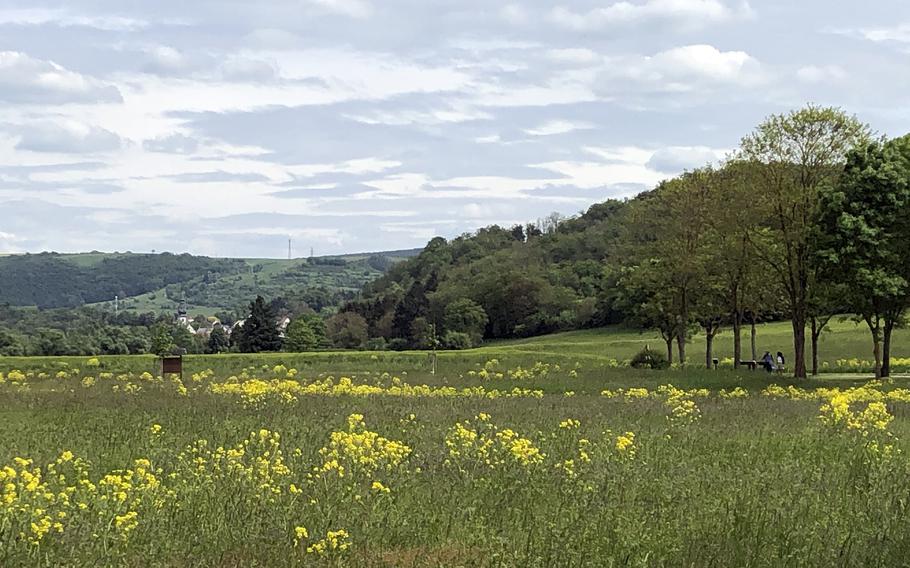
(218, 341)
(305, 333)
(259, 331)
(347, 330)
(867, 242)
(649, 359)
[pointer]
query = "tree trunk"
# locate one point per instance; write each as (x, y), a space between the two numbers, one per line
(669, 341)
(754, 350)
(877, 352)
(875, 327)
(816, 332)
(737, 339)
(799, 345)
(681, 348)
(886, 348)
(709, 349)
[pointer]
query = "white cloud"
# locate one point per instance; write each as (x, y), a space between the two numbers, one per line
(24, 79)
(706, 61)
(684, 12)
(66, 136)
(682, 69)
(166, 60)
(64, 18)
(899, 33)
(558, 127)
(675, 159)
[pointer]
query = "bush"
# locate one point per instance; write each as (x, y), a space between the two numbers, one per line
(648, 359)
(456, 340)
(376, 344)
(398, 344)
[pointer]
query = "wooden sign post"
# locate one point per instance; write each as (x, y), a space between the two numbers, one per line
(172, 366)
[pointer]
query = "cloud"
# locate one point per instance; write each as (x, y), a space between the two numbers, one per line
(697, 13)
(675, 159)
(558, 127)
(174, 144)
(690, 68)
(166, 60)
(899, 33)
(65, 19)
(244, 68)
(67, 137)
(704, 61)
(24, 79)
(220, 177)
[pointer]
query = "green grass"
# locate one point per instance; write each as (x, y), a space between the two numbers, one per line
(758, 481)
(843, 339)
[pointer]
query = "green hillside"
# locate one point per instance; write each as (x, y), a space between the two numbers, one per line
(158, 282)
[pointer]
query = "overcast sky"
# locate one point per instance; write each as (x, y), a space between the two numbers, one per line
(222, 128)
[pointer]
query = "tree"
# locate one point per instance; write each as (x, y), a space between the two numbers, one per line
(300, 336)
(51, 342)
(162, 341)
(669, 232)
(797, 154)
(466, 316)
(646, 304)
(10, 344)
(259, 331)
(347, 330)
(218, 340)
(733, 265)
(868, 242)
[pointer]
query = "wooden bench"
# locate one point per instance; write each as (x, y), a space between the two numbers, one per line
(752, 365)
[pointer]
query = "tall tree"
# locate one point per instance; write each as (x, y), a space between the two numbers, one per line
(868, 241)
(259, 331)
(218, 340)
(732, 260)
(798, 154)
(670, 229)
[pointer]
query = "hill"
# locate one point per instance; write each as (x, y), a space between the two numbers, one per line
(158, 282)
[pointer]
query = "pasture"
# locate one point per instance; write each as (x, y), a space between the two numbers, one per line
(545, 452)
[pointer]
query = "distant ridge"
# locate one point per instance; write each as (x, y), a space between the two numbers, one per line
(158, 281)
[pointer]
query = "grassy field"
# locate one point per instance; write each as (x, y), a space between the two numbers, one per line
(551, 455)
(843, 339)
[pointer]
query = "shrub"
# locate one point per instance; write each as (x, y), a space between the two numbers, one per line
(398, 344)
(648, 359)
(376, 344)
(456, 340)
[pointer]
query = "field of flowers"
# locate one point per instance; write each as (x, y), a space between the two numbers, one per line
(372, 461)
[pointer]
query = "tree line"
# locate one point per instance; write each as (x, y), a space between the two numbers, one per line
(804, 221)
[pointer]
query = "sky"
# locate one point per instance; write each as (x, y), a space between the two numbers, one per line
(225, 128)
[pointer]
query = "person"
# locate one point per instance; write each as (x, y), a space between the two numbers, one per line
(767, 361)
(780, 363)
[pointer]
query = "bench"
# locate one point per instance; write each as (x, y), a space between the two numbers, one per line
(752, 365)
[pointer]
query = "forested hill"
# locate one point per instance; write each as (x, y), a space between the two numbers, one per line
(156, 282)
(525, 280)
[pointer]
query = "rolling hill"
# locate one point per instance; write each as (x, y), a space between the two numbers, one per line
(158, 282)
